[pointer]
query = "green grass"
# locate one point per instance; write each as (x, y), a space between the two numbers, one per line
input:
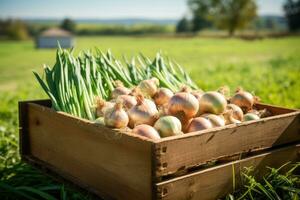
(269, 67)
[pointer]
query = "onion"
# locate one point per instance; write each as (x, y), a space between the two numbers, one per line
(168, 126)
(250, 117)
(224, 90)
(229, 117)
(102, 106)
(119, 90)
(198, 124)
(116, 117)
(127, 100)
(144, 112)
(212, 102)
(244, 100)
(183, 105)
(162, 96)
(215, 120)
(146, 131)
(237, 111)
(149, 87)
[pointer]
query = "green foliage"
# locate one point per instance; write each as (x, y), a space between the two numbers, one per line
(68, 25)
(225, 14)
(14, 29)
(183, 26)
(292, 12)
(281, 183)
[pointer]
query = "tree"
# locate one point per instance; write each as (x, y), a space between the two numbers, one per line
(200, 12)
(292, 12)
(68, 25)
(225, 14)
(183, 26)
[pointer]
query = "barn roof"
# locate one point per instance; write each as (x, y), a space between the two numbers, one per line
(55, 32)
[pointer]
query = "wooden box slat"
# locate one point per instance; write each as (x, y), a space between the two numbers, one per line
(192, 149)
(115, 164)
(216, 182)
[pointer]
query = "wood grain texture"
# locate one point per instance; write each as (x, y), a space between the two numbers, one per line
(116, 165)
(185, 151)
(216, 182)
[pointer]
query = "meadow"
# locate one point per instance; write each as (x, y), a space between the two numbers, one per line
(270, 68)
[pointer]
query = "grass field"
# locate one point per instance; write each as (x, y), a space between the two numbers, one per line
(270, 68)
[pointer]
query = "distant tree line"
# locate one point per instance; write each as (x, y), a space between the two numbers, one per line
(232, 15)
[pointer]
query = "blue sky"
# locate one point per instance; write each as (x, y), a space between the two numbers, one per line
(159, 9)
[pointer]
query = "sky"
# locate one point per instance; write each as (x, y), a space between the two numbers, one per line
(109, 9)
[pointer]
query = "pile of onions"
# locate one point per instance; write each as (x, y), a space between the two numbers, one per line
(212, 102)
(146, 131)
(144, 112)
(243, 99)
(183, 105)
(102, 106)
(119, 90)
(127, 100)
(149, 87)
(198, 124)
(162, 96)
(215, 120)
(168, 126)
(116, 117)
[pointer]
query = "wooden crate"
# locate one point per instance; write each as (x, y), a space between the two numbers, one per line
(119, 165)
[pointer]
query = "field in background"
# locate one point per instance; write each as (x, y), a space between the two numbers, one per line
(270, 68)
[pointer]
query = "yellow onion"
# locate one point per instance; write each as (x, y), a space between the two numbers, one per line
(119, 90)
(102, 106)
(162, 96)
(237, 111)
(198, 124)
(212, 102)
(229, 117)
(144, 112)
(224, 90)
(116, 117)
(168, 126)
(127, 100)
(183, 105)
(149, 87)
(250, 117)
(243, 99)
(215, 120)
(146, 131)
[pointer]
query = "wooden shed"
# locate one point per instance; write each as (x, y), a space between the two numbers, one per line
(51, 37)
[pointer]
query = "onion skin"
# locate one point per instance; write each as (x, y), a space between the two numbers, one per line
(215, 120)
(127, 100)
(237, 111)
(146, 131)
(244, 100)
(250, 117)
(183, 105)
(198, 94)
(149, 87)
(102, 106)
(229, 119)
(198, 124)
(168, 126)
(212, 102)
(116, 117)
(120, 90)
(144, 112)
(162, 96)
